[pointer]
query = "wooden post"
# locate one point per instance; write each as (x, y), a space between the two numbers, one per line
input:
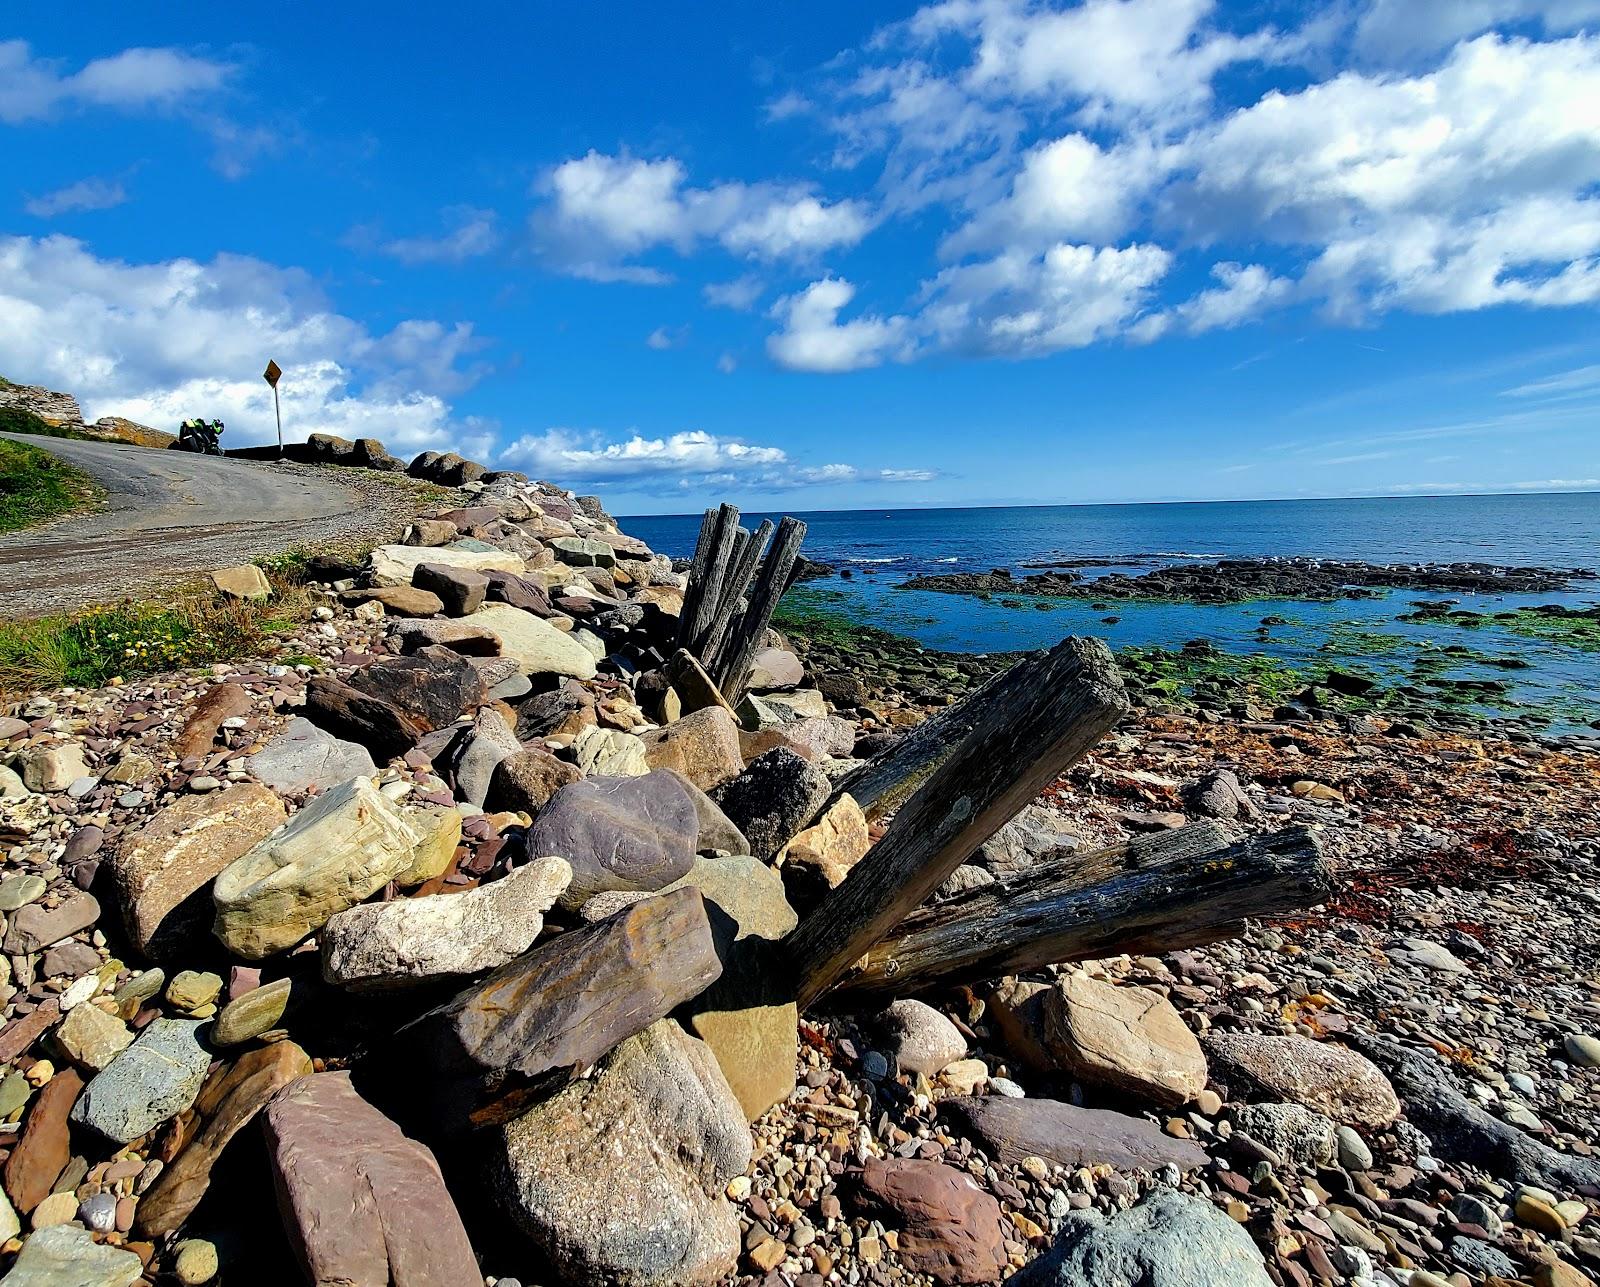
(1153, 894)
(744, 639)
(1038, 720)
(734, 587)
(717, 539)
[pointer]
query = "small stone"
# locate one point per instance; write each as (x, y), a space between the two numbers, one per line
(195, 1262)
(1535, 1213)
(18, 891)
(251, 1014)
(58, 1208)
(91, 1038)
(191, 989)
(1354, 1155)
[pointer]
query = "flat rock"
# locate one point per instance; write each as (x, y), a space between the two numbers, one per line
(44, 1150)
(754, 1047)
(399, 600)
(1169, 1239)
(449, 935)
(458, 636)
(246, 581)
(160, 875)
(952, 1229)
(776, 796)
(537, 647)
(339, 850)
(433, 686)
(349, 713)
(150, 1082)
(228, 1103)
(703, 746)
(560, 1007)
(1333, 1080)
(304, 758)
(363, 1203)
(36, 926)
(66, 1255)
(217, 703)
(618, 833)
(397, 564)
(619, 1178)
(1013, 1129)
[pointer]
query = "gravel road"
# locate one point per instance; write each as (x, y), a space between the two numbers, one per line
(170, 514)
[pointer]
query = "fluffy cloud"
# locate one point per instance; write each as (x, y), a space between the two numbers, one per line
(693, 458)
(33, 88)
(163, 341)
(1395, 29)
(1243, 292)
(740, 294)
(86, 194)
(603, 210)
(814, 339)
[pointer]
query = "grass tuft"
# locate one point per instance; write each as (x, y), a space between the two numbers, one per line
(35, 486)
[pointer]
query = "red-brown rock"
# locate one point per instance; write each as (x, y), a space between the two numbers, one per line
(952, 1229)
(44, 1149)
(220, 702)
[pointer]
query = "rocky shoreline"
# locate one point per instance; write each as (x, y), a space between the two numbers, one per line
(344, 890)
(1243, 580)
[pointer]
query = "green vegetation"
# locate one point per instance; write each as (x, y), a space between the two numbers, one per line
(35, 486)
(189, 628)
(1193, 671)
(17, 420)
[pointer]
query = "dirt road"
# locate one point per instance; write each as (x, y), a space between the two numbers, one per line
(170, 514)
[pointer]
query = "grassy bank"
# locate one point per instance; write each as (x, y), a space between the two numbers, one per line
(16, 420)
(193, 627)
(35, 486)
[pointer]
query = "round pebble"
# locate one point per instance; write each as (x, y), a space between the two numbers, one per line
(195, 1262)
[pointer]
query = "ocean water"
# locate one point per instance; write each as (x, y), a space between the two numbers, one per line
(884, 547)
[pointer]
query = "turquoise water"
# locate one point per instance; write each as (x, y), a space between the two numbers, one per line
(882, 548)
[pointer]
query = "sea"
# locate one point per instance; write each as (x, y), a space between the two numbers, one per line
(881, 548)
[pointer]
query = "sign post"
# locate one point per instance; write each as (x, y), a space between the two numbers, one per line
(271, 375)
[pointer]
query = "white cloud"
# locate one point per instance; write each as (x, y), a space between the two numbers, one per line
(667, 337)
(1395, 29)
(1581, 380)
(692, 458)
(814, 339)
(740, 294)
(86, 194)
(33, 88)
(602, 210)
(473, 233)
(163, 341)
(1244, 292)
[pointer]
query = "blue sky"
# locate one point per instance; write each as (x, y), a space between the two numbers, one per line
(977, 251)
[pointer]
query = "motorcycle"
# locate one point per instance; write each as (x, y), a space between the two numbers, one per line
(200, 437)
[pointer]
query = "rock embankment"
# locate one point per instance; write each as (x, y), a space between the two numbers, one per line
(61, 411)
(436, 949)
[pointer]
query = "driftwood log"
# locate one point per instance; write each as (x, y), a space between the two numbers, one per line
(746, 635)
(1038, 720)
(1152, 894)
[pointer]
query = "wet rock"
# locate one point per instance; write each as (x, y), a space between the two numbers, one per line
(777, 795)
(618, 833)
(160, 875)
(153, 1080)
(703, 746)
(526, 780)
(398, 944)
(227, 1104)
(303, 757)
(952, 1229)
(1170, 1239)
(1013, 1129)
(537, 647)
(618, 1179)
(363, 1203)
(340, 849)
(1331, 1079)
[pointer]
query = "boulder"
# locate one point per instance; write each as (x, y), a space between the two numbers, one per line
(777, 795)
(66, 1255)
(362, 1203)
(952, 1230)
(577, 552)
(618, 833)
(227, 1103)
(537, 647)
(397, 564)
(702, 745)
(696, 690)
(161, 875)
(1012, 1129)
(246, 581)
(1126, 1039)
(349, 713)
(458, 636)
(399, 944)
(556, 1010)
(775, 668)
(460, 590)
(823, 854)
(399, 600)
(619, 1178)
(304, 758)
(1169, 1239)
(343, 847)
(526, 780)
(610, 753)
(150, 1082)
(432, 687)
(478, 752)
(1331, 1079)
(920, 1038)
(1032, 837)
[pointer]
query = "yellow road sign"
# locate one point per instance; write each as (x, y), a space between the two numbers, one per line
(272, 373)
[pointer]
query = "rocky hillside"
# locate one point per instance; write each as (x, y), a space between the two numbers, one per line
(438, 949)
(61, 411)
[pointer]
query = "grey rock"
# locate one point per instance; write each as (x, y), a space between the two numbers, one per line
(490, 741)
(1168, 1240)
(619, 1178)
(618, 833)
(1480, 1258)
(921, 1038)
(1329, 1078)
(65, 1255)
(150, 1082)
(716, 829)
(1295, 1134)
(777, 795)
(1353, 1153)
(303, 757)
(1032, 837)
(1469, 1208)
